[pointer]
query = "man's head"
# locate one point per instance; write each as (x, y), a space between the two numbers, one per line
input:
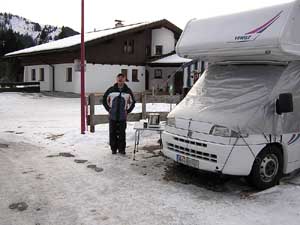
(120, 79)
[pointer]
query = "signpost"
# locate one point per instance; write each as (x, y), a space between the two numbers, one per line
(82, 71)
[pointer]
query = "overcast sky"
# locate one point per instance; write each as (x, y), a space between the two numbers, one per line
(101, 14)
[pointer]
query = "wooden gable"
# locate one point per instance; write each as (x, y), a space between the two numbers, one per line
(105, 50)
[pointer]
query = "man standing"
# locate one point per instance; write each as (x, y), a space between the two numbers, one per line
(118, 101)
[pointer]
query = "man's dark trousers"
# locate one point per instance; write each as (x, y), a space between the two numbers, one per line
(117, 135)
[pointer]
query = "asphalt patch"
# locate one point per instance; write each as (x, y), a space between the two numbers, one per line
(3, 145)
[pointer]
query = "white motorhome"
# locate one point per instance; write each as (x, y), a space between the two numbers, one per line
(242, 117)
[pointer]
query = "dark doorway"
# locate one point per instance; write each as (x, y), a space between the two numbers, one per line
(178, 82)
(147, 80)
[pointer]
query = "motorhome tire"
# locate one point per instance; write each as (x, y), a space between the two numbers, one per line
(267, 168)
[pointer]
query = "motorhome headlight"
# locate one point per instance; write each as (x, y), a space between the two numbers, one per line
(220, 131)
(171, 121)
(225, 132)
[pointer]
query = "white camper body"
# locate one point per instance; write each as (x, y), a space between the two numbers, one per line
(267, 34)
(228, 122)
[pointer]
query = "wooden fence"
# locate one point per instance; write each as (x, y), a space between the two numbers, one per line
(144, 98)
(30, 87)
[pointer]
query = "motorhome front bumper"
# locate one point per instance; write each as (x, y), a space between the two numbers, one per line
(208, 156)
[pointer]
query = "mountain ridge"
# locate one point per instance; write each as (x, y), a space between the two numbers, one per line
(39, 33)
(18, 33)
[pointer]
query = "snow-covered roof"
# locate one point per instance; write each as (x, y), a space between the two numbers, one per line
(171, 59)
(75, 40)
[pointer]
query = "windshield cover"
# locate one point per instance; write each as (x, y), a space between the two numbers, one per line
(242, 98)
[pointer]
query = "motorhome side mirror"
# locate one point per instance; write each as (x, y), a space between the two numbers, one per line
(284, 104)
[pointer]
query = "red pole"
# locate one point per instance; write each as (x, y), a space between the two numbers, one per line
(82, 69)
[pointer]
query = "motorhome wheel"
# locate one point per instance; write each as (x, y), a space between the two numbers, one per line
(267, 168)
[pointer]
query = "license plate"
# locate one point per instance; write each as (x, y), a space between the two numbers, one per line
(187, 161)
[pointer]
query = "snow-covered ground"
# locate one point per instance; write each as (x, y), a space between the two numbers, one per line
(36, 129)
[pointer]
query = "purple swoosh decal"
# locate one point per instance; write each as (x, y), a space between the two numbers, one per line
(293, 139)
(266, 25)
(289, 142)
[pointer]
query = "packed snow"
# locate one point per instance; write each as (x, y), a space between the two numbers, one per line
(40, 184)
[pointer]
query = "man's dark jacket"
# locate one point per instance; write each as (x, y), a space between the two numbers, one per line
(118, 102)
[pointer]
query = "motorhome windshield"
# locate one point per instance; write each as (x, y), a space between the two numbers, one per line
(241, 97)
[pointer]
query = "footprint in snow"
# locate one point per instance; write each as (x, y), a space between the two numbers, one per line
(20, 206)
(94, 167)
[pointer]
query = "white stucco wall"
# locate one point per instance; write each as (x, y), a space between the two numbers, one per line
(61, 83)
(45, 85)
(25, 74)
(163, 37)
(100, 77)
(97, 78)
(161, 83)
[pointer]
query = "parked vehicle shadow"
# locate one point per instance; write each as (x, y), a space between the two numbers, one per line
(211, 181)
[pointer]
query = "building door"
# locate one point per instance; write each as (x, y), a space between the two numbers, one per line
(147, 80)
(178, 82)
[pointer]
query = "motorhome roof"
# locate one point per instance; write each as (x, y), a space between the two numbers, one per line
(265, 34)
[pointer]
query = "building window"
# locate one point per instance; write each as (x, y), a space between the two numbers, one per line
(135, 77)
(196, 65)
(158, 74)
(131, 47)
(69, 74)
(33, 74)
(148, 51)
(42, 74)
(158, 50)
(125, 72)
(125, 47)
(189, 76)
(128, 47)
(202, 66)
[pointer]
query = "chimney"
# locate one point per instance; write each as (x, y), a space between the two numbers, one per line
(118, 23)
